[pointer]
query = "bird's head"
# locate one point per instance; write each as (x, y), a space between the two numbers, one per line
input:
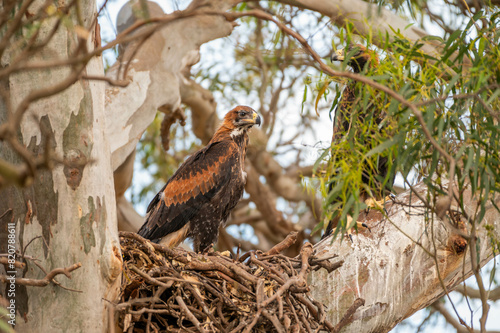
(358, 57)
(241, 117)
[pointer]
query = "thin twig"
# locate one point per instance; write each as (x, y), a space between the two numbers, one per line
(283, 245)
(46, 280)
(189, 314)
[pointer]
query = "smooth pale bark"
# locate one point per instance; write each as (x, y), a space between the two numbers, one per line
(159, 77)
(368, 19)
(392, 274)
(156, 77)
(68, 215)
(390, 271)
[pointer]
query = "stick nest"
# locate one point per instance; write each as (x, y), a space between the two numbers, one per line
(173, 290)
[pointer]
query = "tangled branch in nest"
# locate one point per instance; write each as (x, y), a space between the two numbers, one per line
(174, 290)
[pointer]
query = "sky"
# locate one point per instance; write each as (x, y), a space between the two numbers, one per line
(212, 52)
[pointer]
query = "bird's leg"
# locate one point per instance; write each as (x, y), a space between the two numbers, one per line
(380, 204)
(358, 224)
(207, 249)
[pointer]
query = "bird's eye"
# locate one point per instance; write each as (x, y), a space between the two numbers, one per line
(242, 113)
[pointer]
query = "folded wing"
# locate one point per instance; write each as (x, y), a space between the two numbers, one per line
(201, 178)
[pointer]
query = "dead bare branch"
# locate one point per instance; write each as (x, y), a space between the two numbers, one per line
(286, 243)
(17, 264)
(195, 285)
(493, 294)
(46, 280)
(439, 306)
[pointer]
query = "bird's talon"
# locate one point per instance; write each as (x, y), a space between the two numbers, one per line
(366, 226)
(209, 249)
(187, 190)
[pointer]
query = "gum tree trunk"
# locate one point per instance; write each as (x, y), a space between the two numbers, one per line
(68, 215)
(393, 267)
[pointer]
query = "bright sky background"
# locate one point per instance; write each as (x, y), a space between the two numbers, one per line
(214, 52)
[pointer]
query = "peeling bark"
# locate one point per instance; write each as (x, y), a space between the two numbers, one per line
(67, 216)
(393, 268)
(155, 76)
(390, 271)
(167, 57)
(156, 80)
(147, 93)
(368, 19)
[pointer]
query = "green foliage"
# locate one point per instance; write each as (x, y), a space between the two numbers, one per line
(161, 164)
(4, 318)
(457, 93)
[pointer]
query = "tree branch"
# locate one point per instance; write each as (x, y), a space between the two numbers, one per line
(46, 280)
(492, 295)
(370, 20)
(439, 307)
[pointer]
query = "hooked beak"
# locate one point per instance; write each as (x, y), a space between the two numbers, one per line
(256, 120)
(338, 55)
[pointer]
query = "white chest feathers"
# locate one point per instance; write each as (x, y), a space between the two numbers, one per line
(237, 132)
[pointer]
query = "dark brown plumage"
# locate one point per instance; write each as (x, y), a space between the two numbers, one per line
(346, 115)
(198, 198)
(360, 58)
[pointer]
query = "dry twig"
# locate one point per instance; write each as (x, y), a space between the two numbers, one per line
(46, 280)
(211, 292)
